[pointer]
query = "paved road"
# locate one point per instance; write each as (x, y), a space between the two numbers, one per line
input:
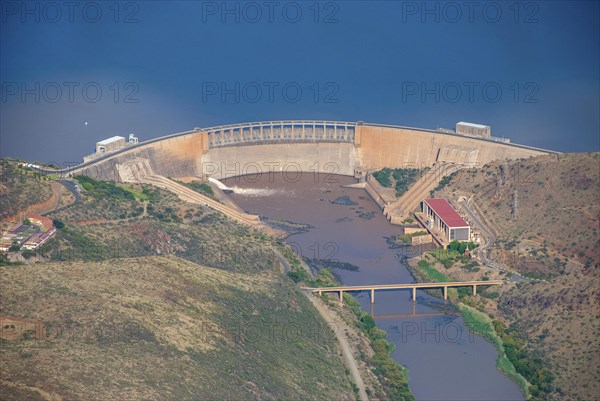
(72, 187)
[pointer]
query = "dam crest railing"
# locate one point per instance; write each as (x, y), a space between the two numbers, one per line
(276, 132)
(293, 131)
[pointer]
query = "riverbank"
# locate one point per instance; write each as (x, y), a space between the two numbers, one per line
(342, 333)
(479, 322)
(482, 324)
(357, 335)
(392, 375)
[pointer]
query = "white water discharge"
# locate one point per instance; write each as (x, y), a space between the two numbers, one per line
(245, 191)
(218, 183)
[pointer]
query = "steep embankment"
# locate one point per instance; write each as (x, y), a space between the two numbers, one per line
(545, 213)
(544, 210)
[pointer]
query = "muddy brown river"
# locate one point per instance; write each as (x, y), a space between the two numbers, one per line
(445, 361)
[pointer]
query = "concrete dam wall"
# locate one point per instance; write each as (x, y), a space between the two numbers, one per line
(291, 159)
(396, 147)
(302, 146)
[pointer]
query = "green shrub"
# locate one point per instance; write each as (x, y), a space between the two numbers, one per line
(202, 188)
(104, 189)
(367, 320)
(443, 182)
(383, 177)
(27, 253)
(403, 178)
(531, 368)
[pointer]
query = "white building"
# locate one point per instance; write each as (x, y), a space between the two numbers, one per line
(110, 144)
(133, 138)
(464, 128)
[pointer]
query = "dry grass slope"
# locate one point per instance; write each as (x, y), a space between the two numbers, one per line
(553, 234)
(165, 328)
(561, 324)
(557, 209)
(20, 189)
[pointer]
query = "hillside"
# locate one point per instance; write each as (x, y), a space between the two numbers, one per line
(165, 328)
(544, 211)
(144, 296)
(107, 226)
(20, 188)
(553, 234)
(559, 320)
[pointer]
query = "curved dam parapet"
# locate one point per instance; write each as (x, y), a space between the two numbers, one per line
(328, 147)
(279, 132)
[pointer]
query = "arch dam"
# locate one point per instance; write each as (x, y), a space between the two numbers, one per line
(294, 147)
(328, 147)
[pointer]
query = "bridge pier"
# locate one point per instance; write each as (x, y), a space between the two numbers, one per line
(414, 294)
(341, 297)
(474, 290)
(372, 296)
(445, 293)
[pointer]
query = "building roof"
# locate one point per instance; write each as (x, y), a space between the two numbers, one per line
(15, 228)
(472, 125)
(110, 140)
(46, 222)
(34, 239)
(446, 212)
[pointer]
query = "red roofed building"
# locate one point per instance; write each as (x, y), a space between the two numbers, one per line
(14, 228)
(43, 222)
(441, 215)
(38, 239)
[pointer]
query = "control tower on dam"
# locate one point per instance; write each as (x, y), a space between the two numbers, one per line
(330, 147)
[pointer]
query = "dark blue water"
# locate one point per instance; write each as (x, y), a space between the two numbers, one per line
(529, 69)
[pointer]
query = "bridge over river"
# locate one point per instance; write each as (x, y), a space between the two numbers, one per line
(413, 287)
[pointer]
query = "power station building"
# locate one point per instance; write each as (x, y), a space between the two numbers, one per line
(442, 216)
(484, 131)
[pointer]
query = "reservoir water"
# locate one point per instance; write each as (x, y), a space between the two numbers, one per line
(446, 362)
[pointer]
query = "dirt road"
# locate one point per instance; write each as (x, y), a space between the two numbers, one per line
(340, 327)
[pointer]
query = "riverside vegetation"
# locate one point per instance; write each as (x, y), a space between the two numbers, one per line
(527, 370)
